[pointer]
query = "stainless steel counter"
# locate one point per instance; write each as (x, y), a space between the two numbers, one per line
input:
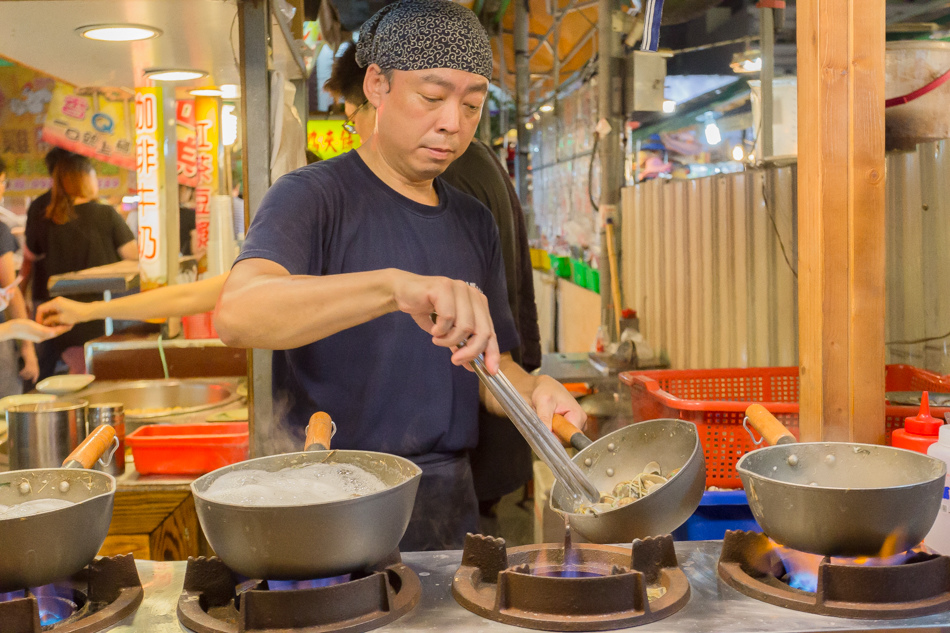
(713, 606)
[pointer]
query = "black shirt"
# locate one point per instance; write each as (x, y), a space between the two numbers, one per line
(384, 383)
(91, 238)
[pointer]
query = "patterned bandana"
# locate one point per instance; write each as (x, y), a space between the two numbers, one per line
(423, 34)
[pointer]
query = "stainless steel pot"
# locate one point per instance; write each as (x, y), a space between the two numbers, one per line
(42, 435)
(112, 414)
(621, 456)
(39, 549)
(839, 498)
(316, 540)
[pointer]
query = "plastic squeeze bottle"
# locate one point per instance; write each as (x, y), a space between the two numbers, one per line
(939, 537)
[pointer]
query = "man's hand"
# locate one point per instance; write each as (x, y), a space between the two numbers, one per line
(550, 397)
(62, 311)
(462, 315)
(27, 330)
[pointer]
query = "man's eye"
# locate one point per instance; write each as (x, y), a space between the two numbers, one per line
(431, 99)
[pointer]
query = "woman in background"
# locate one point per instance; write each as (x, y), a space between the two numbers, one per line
(75, 233)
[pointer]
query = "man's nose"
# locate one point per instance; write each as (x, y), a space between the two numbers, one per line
(449, 118)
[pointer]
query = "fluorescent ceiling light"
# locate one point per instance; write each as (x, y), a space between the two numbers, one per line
(713, 135)
(669, 106)
(230, 91)
(118, 32)
(174, 74)
(205, 92)
(738, 153)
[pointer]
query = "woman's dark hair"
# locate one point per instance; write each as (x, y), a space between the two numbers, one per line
(346, 77)
(70, 181)
(3, 167)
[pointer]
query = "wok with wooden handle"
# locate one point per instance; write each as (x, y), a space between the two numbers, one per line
(839, 498)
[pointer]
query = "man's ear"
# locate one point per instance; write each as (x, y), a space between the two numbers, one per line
(375, 85)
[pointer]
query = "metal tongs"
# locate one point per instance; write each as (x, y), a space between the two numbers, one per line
(544, 443)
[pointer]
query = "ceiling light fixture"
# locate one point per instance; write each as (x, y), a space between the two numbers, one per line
(118, 32)
(205, 92)
(174, 74)
(547, 107)
(669, 106)
(738, 153)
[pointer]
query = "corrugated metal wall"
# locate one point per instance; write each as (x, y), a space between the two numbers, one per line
(918, 256)
(703, 264)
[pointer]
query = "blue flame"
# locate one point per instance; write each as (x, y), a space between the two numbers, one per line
(316, 583)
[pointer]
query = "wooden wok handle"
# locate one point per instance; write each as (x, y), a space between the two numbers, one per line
(92, 448)
(768, 426)
(318, 432)
(569, 434)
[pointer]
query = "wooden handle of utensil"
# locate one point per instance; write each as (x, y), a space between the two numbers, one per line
(768, 426)
(92, 448)
(569, 434)
(318, 432)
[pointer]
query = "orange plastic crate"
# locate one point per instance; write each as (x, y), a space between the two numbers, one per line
(716, 399)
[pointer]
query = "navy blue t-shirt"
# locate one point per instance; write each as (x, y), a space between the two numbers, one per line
(384, 383)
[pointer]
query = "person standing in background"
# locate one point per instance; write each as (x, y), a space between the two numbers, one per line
(76, 232)
(34, 269)
(12, 306)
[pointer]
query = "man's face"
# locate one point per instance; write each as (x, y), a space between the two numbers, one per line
(428, 118)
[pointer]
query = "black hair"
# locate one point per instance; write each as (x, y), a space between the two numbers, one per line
(54, 156)
(3, 167)
(346, 77)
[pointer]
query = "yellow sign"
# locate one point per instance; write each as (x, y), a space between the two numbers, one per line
(150, 169)
(207, 143)
(327, 139)
(91, 124)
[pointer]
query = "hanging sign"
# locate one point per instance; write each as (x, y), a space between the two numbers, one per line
(187, 152)
(94, 125)
(207, 143)
(327, 139)
(150, 169)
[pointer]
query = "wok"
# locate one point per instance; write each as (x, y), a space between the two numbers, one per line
(316, 540)
(53, 545)
(622, 455)
(839, 498)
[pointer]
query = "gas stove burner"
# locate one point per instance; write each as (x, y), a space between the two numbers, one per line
(597, 587)
(919, 586)
(214, 600)
(96, 598)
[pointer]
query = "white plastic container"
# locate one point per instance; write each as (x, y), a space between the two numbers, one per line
(938, 539)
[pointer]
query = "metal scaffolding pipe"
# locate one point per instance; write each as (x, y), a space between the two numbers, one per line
(767, 36)
(609, 93)
(521, 101)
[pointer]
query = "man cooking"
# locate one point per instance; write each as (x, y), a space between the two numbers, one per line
(347, 258)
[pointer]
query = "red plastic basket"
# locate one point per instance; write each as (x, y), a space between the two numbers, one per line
(188, 449)
(716, 400)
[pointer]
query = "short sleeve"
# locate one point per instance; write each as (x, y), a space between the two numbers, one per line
(121, 233)
(286, 228)
(35, 216)
(8, 243)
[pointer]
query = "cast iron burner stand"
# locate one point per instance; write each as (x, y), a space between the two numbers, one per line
(213, 601)
(526, 586)
(921, 586)
(104, 592)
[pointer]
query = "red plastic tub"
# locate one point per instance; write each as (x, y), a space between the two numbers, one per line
(716, 400)
(187, 449)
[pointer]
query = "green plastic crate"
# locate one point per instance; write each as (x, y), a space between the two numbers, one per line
(561, 266)
(593, 279)
(579, 272)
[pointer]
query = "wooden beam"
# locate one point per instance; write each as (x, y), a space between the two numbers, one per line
(841, 219)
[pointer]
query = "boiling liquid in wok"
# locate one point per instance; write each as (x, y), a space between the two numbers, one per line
(29, 508)
(316, 483)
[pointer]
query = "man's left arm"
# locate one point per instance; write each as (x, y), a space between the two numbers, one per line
(546, 395)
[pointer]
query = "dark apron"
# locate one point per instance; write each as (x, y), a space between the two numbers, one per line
(446, 507)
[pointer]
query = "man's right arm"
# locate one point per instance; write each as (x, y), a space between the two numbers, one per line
(264, 306)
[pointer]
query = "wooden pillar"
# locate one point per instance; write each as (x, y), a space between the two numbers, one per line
(841, 219)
